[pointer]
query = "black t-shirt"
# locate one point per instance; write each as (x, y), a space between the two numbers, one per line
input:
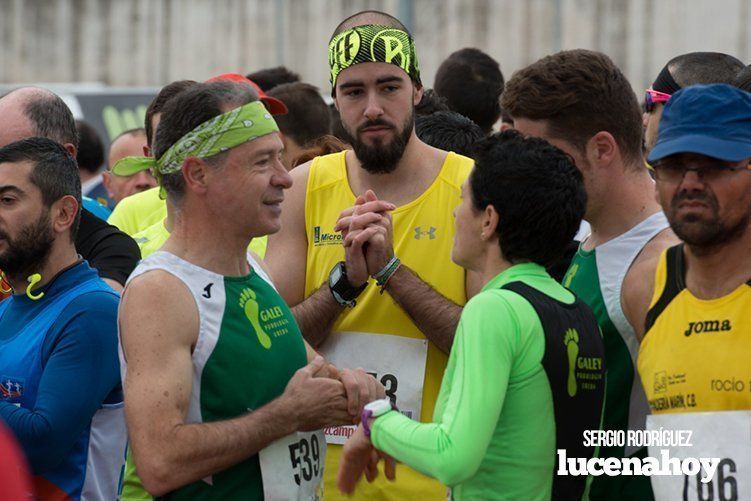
(108, 250)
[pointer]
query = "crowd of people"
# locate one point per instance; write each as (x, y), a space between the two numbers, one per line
(264, 296)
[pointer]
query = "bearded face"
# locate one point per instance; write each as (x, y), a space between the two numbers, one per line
(27, 251)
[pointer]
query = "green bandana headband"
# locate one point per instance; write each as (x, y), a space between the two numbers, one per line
(217, 135)
(132, 165)
(373, 44)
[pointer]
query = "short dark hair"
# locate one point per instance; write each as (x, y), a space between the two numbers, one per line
(472, 82)
(536, 189)
(308, 117)
(743, 79)
(449, 131)
(157, 104)
(188, 110)
(579, 93)
(268, 78)
(704, 68)
(369, 17)
(90, 152)
(430, 102)
(55, 172)
(51, 118)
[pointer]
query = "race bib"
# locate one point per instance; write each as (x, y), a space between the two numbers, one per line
(723, 435)
(397, 362)
(292, 467)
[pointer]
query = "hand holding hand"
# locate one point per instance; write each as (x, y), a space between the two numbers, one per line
(361, 389)
(316, 401)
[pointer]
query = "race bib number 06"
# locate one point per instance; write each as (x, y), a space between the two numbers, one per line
(292, 467)
(723, 436)
(397, 362)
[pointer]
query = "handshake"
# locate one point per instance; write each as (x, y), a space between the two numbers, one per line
(320, 395)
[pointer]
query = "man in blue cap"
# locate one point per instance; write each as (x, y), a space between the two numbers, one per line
(694, 357)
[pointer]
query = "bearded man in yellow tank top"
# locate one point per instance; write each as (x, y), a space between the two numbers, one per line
(384, 211)
(694, 359)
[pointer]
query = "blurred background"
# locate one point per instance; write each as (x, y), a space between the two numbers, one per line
(108, 45)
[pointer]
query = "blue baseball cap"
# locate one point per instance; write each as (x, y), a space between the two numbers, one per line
(712, 120)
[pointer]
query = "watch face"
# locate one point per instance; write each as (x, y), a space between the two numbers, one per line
(336, 274)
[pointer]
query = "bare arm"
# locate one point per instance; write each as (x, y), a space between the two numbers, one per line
(435, 315)
(638, 284)
(316, 315)
(157, 342)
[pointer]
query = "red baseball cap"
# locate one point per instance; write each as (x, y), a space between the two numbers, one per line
(274, 105)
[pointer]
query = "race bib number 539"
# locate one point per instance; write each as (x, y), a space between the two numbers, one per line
(292, 467)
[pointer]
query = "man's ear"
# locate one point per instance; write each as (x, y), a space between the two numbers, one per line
(107, 182)
(70, 148)
(194, 172)
(63, 212)
(602, 148)
(146, 150)
(417, 93)
(490, 222)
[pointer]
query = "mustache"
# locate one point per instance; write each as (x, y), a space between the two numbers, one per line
(378, 122)
(701, 196)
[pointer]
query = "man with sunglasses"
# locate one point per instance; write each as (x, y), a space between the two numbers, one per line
(693, 360)
(681, 71)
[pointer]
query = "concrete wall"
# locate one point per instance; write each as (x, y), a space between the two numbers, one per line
(152, 42)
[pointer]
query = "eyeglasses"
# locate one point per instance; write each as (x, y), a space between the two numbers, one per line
(653, 97)
(674, 172)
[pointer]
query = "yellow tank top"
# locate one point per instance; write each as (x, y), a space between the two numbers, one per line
(423, 237)
(695, 354)
(139, 211)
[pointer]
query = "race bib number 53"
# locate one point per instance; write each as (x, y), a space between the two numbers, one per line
(292, 467)
(397, 362)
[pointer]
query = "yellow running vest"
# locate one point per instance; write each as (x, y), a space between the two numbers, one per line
(694, 365)
(423, 238)
(695, 355)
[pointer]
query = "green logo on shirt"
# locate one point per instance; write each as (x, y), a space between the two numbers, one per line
(571, 340)
(250, 306)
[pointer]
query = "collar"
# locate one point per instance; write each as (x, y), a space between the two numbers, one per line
(515, 273)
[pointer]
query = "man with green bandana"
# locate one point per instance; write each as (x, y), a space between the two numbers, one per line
(223, 396)
(146, 216)
(401, 325)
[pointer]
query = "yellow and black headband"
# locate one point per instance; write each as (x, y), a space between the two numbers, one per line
(372, 43)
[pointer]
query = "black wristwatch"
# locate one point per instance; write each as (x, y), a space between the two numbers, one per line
(344, 292)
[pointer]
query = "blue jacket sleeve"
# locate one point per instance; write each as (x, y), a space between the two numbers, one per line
(81, 369)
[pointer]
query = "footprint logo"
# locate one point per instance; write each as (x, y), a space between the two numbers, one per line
(250, 306)
(571, 340)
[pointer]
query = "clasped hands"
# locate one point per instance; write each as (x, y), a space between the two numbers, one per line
(367, 237)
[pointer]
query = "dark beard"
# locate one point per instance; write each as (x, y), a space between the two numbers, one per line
(701, 234)
(28, 253)
(380, 158)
